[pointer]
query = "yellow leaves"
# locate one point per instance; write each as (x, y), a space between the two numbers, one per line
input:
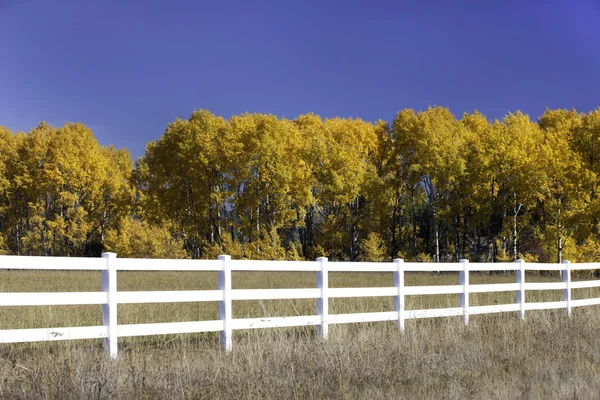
(587, 251)
(528, 257)
(267, 247)
(137, 239)
(227, 246)
(373, 248)
(3, 249)
(273, 185)
(343, 153)
(63, 190)
(259, 186)
(182, 176)
(204, 168)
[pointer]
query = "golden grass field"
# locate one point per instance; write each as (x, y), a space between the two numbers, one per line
(549, 355)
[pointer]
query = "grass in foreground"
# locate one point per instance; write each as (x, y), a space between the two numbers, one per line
(546, 356)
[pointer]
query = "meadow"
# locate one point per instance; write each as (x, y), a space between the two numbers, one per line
(496, 356)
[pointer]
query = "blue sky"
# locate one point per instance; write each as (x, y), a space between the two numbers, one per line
(128, 68)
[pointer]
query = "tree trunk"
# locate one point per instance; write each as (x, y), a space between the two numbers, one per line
(414, 224)
(393, 247)
(437, 237)
(457, 239)
(515, 236)
(466, 237)
(516, 210)
(559, 234)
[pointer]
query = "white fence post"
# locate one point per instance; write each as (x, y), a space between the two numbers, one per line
(567, 281)
(109, 310)
(521, 292)
(464, 296)
(225, 306)
(323, 301)
(399, 298)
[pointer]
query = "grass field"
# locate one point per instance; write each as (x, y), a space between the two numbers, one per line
(498, 356)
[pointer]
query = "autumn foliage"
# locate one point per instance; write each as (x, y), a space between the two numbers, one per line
(428, 186)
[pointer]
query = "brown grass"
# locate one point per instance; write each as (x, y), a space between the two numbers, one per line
(546, 356)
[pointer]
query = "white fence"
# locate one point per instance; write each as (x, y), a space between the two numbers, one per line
(109, 264)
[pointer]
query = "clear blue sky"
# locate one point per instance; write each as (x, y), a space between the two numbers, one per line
(128, 68)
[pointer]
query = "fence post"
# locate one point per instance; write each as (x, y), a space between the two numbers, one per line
(399, 298)
(225, 306)
(109, 310)
(323, 301)
(464, 296)
(567, 281)
(521, 292)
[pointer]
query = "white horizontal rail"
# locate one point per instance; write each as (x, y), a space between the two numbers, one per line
(52, 299)
(274, 266)
(276, 322)
(439, 289)
(51, 334)
(546, 305)
(274, 294)
(363, 292)
(434, 312)
(585, 302)
(584, 266)
(172, 296)
(585, 284)
(149, 264)
(545, 285)
(493, 267)
(432, 267)
(494, 309)
(494, 287)
(544, 267)
(363, 317)
(52, 263)
(166, 328)
(339, 266)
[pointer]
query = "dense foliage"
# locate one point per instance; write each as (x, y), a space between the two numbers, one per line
(427, 187)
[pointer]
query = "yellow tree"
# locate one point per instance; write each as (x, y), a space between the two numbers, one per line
(311, 131)
(8, 143)
(405, 178)
(271, 176)
(476, 194)
(563, 195)
(23, 170)
(183, 179)
(585, 142)
(514, 151)
(373, 248)
(93, 182)
(342, 167)
(139, 239)
(434, 144)
(384, 195)
(61, 197)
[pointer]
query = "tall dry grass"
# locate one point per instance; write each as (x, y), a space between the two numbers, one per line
(549, 355)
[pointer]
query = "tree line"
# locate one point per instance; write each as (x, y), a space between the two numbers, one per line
(427, 187)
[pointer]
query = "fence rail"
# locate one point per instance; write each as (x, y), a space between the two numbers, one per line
(109, 297)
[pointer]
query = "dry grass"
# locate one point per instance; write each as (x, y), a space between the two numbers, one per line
(546, 356)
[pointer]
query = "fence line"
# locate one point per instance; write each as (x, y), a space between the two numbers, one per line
(109, 264)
